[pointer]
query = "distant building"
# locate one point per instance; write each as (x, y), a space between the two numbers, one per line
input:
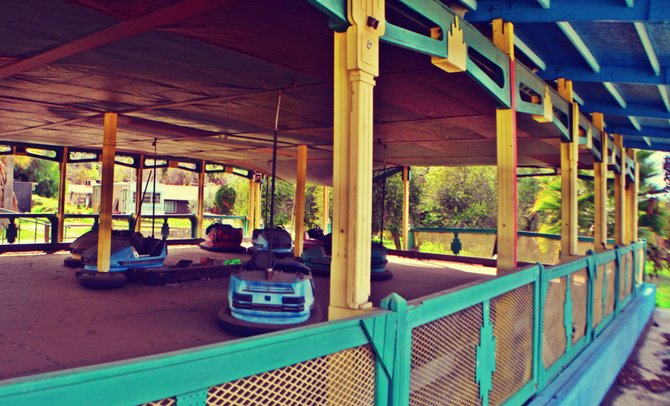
(169, 199)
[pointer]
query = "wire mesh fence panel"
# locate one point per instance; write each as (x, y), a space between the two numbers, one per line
(512, 317)
(343, 378)
(611, 287)
(553, 330)
(630, 274)
(579, 294)
(598, 294)
(538, 249)
(444, 358)
(469, 244)
(639, 274)
(162, 402)
(623, 277)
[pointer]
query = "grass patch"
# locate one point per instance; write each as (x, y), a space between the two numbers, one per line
(662, 282)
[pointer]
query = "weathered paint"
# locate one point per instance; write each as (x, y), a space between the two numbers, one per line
(600, 188)
(107, 192)
(356, 66)
(299, 201)
(569, 158)
(61, 193)
(405, 208)
(506, 141)
(201, 201)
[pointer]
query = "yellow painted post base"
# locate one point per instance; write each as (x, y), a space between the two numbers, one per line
(336, 313)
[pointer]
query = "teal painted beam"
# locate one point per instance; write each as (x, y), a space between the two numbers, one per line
(579, 44)
(635, 123)
(571, 11)
(630, 131)
(615, 94)
(630, 3)
(648, 47)
(616, 74)
(545, 3)
(637, 110)
(663, 91)
(529, 53)
(336, 10)
(470, 4)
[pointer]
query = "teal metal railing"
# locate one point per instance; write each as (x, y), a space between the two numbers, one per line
(481, 243)
(41, 230)
(496, 342)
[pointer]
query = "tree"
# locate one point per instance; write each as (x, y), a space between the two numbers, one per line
(225, 199)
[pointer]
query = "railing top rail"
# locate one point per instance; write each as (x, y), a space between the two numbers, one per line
(144, 379)
(442, 304)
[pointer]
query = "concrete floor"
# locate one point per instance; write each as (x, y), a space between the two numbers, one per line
(48, 322)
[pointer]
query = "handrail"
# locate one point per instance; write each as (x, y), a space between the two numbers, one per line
(389, 334)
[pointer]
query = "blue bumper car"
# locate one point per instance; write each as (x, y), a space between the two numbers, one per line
(127, 253)
(269, 295)
(318, 259)
(277, 238)
(84, 242)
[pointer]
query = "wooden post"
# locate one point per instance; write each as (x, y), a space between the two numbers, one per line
(251, 211)
(356, 66)
(139, 190)
(325, 213)
(506, 141)
(631, 202)
(600, 187)
(405, 207)
(61, 194)
(200, 215)
(107, 192)
(301, 179)
(569, 158)
(620, 195)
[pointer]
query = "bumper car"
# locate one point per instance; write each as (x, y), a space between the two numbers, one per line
(223, 238)
(318, 259)
(269, 295)
(313, 238)
(277, 238)
(83, 242)
(127, 253)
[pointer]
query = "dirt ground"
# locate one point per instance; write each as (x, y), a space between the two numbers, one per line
(645, 379)
(48, 322)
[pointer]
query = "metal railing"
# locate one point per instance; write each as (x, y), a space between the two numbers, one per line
(496, 342)
(481, 243)
(40, 230)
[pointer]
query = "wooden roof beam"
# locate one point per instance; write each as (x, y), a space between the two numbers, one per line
(164, 16)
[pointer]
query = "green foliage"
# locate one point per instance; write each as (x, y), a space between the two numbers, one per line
(458, 197)
(284, 194)
(44, 173)
(548, 203)
(225, 199)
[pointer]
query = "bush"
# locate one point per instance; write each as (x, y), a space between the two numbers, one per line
(225, 199)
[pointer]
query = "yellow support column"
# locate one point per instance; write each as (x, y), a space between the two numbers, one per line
(506, 141)
(600, 186)
(107, 192)
(200, 215)
(405, 207)
(139, 189)
(301, 178)
(356, 66)
(620, 196)
(61, 194)
(569, 158)
(251, 211)
(631, 203)
(257, 215)
(325, 213)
